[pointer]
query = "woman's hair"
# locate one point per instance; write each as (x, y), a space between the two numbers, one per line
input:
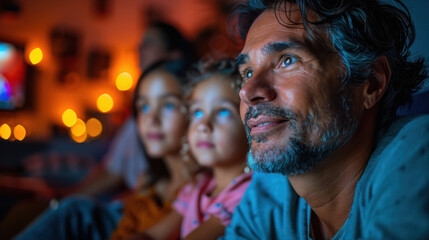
(360, 31)
(158, 169)
(209, 67)
(174, 41)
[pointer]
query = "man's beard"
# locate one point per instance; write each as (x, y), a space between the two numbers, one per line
(297, 154)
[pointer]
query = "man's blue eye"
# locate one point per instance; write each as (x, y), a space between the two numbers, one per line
(248, 74)
(288, 60)
(224, 113)
(145, 108)
(198, 114)
(169, 106)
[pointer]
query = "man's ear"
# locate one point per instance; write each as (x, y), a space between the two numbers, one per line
(377, 83)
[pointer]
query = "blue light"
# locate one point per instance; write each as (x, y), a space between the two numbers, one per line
(5, 50)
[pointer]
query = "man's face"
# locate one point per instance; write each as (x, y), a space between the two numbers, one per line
(295, 110)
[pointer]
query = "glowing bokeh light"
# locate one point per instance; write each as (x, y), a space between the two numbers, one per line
(19, 132)
(94, 127)
(5, 50)
(124, 81)
(5, 131)
(36, 56)
(69, 117)
(79, 139)
(79, 128)
(104, 103)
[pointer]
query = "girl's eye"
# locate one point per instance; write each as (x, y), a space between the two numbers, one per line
(145, 108)
(224, 113)
(288, 60)
(198, 114)
(169, 106)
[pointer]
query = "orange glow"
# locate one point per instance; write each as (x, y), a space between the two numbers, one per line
(69, 117)
(19, 132)
(124, 81)
(94, 127)
(36, 56)
(79, 139)
(79, 128)
(5, 131)
(104, 103)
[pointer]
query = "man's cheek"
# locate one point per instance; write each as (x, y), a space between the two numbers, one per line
(243, 109)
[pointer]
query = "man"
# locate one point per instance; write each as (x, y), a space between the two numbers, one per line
(322, 82)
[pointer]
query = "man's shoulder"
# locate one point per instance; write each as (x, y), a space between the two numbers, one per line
(390, 193)
(405, 134)
(411, 124)
(401, 152)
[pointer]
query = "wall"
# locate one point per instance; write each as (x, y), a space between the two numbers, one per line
(419, 11)
(118, 32)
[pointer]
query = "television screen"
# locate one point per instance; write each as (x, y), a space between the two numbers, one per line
(14, 72)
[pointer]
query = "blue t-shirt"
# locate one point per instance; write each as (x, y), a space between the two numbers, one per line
(391, 199)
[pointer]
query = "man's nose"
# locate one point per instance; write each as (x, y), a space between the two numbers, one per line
(257, 89)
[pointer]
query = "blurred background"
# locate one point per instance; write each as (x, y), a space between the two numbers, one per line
(68, 69)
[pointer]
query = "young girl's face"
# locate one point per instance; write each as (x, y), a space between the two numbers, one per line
(161, 119)
(216, 133)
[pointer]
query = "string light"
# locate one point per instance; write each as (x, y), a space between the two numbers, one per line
(36, 56)
(69, 117)
(5, 131)
(124, 81)
(104, 103)
(79, 128)
(94, 127)
(19, 132)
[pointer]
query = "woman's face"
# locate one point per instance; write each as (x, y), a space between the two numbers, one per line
(216, 133)
(152, 48)
(161, 114)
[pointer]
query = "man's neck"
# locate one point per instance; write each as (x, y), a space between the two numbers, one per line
(329, 188)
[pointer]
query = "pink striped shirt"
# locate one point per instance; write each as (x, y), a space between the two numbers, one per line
(196, 206)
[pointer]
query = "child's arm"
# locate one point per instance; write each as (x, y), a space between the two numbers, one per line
(167, 228)
(211, 229)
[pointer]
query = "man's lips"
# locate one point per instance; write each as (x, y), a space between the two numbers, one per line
(264, 123)
(205, 144)
(155, 136)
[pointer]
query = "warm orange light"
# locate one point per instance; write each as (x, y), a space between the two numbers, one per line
(36, 55)
(19, 132)
(94, 127)
(79, 139)
(124, 81)
(5, 131)
(104, 103)
(79, 128)
(69, 117)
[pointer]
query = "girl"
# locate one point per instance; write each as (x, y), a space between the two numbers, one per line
(217, 140)
(162, 122)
